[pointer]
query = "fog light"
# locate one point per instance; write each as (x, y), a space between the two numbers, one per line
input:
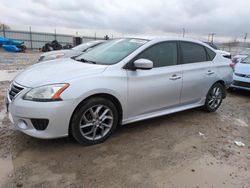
(22, 124)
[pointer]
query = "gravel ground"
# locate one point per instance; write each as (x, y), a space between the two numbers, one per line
(186, 149)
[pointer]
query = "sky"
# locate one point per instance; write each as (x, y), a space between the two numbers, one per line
(228, 19)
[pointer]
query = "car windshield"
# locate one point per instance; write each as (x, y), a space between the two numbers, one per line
(245, 52)
(246, 60)
(112, 51)
(83, 46)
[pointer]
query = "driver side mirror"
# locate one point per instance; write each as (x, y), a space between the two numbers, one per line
(144, 64)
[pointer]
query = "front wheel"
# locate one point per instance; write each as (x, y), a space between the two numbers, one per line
(214, 98)
(94, 121)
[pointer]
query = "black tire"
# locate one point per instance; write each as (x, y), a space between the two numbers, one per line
(77, 118)
(23, 48)
(208, 107)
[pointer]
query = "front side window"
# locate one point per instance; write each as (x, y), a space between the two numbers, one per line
(111, 52)
(193, 53)
(163, 54)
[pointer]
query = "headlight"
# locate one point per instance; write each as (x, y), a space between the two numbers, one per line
(46, 93)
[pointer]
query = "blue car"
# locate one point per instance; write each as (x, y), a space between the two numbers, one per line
(12, 46)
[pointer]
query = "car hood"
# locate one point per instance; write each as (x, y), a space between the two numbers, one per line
(242, 68)
(67, 53)
(56, 71)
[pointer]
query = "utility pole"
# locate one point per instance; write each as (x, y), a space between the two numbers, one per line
(245, 38)
(55, 34)
(212, 37)
(212, 34)
(3, 30)
(31, 45)
(183, 32)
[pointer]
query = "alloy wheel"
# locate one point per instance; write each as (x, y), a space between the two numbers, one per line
(215, 98)
(96, 122)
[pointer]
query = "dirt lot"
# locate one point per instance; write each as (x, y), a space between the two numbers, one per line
(186, 149)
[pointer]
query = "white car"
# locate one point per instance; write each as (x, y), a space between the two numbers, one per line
(242, 55)
(241, 77)
(73, 52)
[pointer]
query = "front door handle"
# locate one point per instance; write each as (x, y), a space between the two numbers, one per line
(209, 72)
(175, 77)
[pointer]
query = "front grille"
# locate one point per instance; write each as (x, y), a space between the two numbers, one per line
(243, 75)
(14, 90)
(40, 124)
(241, 84)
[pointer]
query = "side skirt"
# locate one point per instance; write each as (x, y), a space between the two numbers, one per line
(162, 112)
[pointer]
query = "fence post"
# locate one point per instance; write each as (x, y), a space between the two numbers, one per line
(55, 34)
(3, 30)
(31, 45)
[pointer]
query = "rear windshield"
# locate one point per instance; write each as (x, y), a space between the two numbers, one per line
(112, 51)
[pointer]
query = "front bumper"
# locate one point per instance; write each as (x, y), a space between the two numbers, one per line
(241, 83)
(58, 113)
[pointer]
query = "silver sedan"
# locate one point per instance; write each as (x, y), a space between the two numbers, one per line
(119, 82)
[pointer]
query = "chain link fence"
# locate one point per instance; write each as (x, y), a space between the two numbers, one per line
(36, 40)
(234, 47)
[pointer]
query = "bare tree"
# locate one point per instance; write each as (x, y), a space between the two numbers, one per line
(4, 26)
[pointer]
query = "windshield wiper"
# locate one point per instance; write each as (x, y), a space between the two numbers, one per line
(85, 61)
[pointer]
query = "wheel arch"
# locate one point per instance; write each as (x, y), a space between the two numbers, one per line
(108, 96)
(224, 87)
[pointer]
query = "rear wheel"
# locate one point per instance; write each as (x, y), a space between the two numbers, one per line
(94, 121)
(214, 98)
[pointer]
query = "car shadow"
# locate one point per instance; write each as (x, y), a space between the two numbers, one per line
(129, 130)
(238, 92)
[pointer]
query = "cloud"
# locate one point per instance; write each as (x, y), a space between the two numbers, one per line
(226, 18)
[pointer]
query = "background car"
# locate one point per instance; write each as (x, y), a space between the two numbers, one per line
(242, 55)
(224, 53)
(241, 77)
(77, 50)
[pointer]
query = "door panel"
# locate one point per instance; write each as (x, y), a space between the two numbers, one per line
(153, 90)
(197, 79)
(198, 72)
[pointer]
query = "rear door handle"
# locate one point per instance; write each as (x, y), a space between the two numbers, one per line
(175, 77)
(209, 72)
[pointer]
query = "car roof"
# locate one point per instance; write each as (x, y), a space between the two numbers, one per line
(170, 38)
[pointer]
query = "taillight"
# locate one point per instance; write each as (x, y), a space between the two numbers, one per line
(232, 65)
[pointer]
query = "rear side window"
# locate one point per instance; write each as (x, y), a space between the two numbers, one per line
(211, 54)
(193, 53)
(162, 54)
